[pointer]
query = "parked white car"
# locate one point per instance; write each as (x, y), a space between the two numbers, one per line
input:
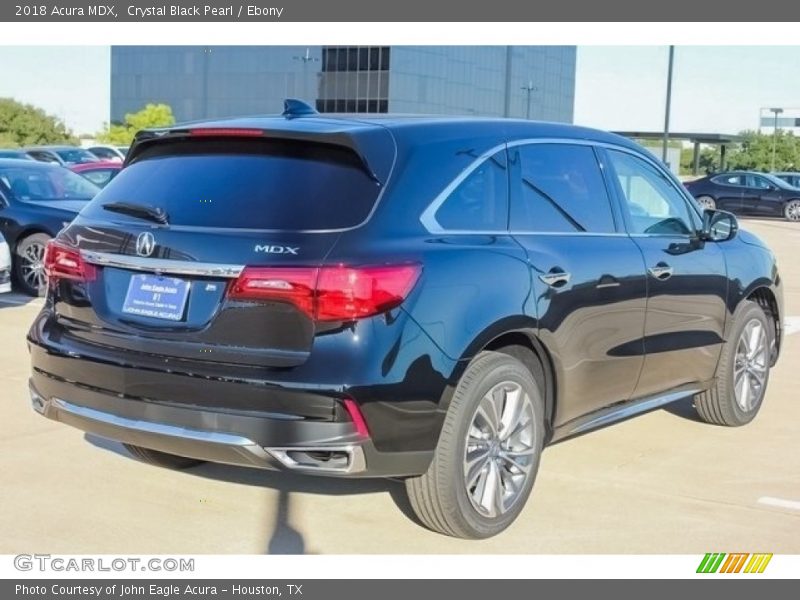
(113, 153)
(5, 266)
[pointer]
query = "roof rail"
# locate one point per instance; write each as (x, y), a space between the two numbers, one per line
(292, 108)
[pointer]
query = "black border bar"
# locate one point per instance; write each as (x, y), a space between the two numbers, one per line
(397, 589)
(394, 11)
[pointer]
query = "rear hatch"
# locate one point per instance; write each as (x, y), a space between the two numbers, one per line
(207, 245)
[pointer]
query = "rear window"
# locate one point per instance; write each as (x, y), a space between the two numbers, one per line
(250, 184)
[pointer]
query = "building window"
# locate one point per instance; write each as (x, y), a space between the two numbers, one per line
(349, 59)
(354, 79)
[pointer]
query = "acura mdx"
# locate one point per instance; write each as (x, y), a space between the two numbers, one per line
(432, 299)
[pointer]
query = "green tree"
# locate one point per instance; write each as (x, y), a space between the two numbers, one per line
(152, 115)
(26, 125)
(755, 152)
(708, 162)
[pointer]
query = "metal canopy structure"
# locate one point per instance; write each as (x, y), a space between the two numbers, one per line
(723, 140)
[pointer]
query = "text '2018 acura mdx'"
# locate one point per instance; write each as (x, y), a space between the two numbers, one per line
(434, 299)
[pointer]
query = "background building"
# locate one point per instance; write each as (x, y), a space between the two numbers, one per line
(788, 120)
(218, 81)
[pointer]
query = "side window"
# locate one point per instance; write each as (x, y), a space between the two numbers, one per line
(760, 183)
(480, 202)
(729, 180)
(99, 177)
(44, 157)
(562, 190)
(652, 202)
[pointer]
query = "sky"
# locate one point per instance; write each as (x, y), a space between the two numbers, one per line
(717, 89)
(70, 82)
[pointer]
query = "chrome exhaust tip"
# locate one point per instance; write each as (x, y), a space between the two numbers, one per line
(321, 459)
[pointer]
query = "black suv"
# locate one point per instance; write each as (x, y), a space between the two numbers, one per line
(428, 298)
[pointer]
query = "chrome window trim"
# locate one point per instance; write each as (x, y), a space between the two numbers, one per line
(161, 265)
(428, 218)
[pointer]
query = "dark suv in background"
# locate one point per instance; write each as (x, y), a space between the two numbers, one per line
(428, 298)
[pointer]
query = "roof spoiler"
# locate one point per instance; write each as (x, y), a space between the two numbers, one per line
(359, 144)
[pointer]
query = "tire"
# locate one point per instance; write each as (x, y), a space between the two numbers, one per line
(791, 211)
(441, 497)
(707, 202)
(29, 264)
(736, 396)
(161, 459)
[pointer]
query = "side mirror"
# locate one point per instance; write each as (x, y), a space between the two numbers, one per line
(718, 226)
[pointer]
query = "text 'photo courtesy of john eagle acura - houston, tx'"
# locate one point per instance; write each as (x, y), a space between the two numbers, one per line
(432, 299)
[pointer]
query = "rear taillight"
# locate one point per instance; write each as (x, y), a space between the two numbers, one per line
(335, 293)
(294, 285)
(345, 293)
(63, 262)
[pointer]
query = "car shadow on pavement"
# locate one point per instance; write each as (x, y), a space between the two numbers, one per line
(11, 299)
(683, 408)
(283, 537)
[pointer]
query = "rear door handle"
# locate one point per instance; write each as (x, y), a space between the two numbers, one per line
(555, 279)
(661, 271)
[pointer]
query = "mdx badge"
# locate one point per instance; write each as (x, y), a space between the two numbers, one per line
(145, 244)
(277, 249)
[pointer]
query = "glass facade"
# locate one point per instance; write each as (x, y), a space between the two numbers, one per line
(354, 79)
(219, 81)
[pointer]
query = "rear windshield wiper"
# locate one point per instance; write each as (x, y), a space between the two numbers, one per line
(140, 211)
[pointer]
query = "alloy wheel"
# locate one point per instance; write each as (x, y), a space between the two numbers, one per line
(32, 266)
(500, 449)
(750, 365)
(793, 210)
(706, 202)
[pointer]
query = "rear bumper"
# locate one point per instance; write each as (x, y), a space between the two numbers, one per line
(258, 440)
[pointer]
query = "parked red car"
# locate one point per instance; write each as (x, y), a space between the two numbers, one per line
(99, 173)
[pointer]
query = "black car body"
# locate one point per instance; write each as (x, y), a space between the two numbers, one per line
(748, 193)
(324, 295)
(36, 201)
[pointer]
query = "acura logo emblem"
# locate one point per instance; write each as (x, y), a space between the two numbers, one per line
(145, 244)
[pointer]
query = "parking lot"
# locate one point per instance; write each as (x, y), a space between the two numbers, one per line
(660, 483)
